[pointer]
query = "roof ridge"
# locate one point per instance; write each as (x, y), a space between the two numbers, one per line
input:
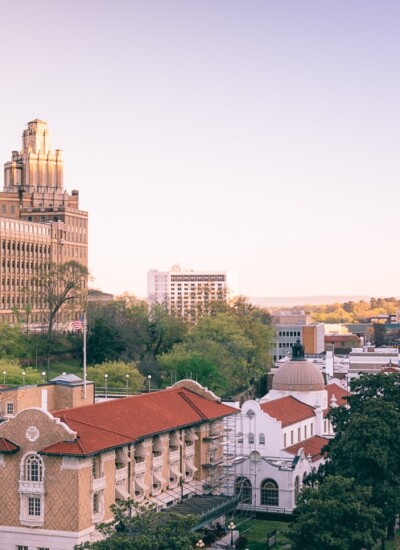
(192, 405)
(97, 427)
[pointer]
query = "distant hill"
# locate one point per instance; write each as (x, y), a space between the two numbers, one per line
(293, 301)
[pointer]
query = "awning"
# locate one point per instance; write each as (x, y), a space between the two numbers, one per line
(157, 475)
(190, 435)
(190, 466)
(121, 492)
(141, 451)
(174, 470)
(139, 483)
(122, 456)
(175, 440)
(157, 444)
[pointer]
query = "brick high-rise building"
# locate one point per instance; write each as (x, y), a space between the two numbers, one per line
(40, 222)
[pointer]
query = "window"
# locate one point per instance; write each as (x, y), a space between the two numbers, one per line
(21, 547)
(251, 439)
(269, 493)
(243, 489)
(291, 437)
(284, 440)
(96, 503)
(34, 506)
(240, 437)
(312, 429)
(296, 489)
(34, 468)
(305, 432)
(298, 434)
(10, 408)
(261, 439)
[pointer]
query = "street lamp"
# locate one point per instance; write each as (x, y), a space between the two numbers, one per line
(149, 379)
(23, 378)
(105, 382)
(43, 375)
(231, 527)
(4, 376)
(200, 544)
(127, 383)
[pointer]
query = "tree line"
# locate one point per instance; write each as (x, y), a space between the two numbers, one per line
(353, 500)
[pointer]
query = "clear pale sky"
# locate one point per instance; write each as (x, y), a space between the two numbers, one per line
(260, 137)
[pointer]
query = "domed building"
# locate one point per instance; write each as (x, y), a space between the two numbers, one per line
(301, 379)
(280, 437)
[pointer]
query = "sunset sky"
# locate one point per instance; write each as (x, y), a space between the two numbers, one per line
(258, 136)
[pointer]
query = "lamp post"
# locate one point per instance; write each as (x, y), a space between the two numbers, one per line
(23, 378)
(4, 376)
(105, 383)
(127, 383)
(149, 379)
(43, 376)
(231, 527)
(200, 544)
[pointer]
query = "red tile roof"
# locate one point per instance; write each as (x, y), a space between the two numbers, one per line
(7, 446)
(312, 446)
(111, 424)
(288, 410)
(339, 392)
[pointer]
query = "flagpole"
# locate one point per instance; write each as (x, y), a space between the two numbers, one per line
(84, 355)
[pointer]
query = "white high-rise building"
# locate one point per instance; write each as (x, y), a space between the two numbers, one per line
(186, 291)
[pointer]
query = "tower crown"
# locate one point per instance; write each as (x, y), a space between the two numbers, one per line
(36, 138)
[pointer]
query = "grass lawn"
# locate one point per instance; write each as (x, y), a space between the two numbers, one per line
(256, 531)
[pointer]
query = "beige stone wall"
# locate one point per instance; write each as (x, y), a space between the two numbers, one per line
(58, 397)
(49, 431)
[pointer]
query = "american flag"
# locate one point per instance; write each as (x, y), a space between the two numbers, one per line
(77, 324)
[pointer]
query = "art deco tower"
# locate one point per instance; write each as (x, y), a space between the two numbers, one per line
(36, 215)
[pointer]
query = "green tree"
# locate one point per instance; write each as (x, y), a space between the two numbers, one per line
(128, 329)
(338, 515)
(11, 340)
(14, 373)
(224, 352)
(366, 446)
(140, 527)
(119, 375)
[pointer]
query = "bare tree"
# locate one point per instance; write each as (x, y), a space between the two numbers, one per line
(61, 288)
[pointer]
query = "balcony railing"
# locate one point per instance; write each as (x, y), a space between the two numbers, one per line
(121, 474)
(140, 467)
(158, 461)
(36, 487)
(174, 456)
(98, 484)
(189, 451)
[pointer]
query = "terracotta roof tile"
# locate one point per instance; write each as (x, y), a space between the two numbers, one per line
(111, 424)
(7, 446)
(288, 410)
(312, 446)
(337, 391)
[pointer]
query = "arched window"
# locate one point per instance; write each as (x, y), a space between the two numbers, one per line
(261, 439)
(244, 489)
(33, 468)
(240, 437)
(296, 489)
(251, 438)
(269, 493)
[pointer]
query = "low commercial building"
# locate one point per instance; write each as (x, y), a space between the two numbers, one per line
(61, 471)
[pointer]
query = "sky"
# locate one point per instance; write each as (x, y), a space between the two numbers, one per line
(260, 137)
